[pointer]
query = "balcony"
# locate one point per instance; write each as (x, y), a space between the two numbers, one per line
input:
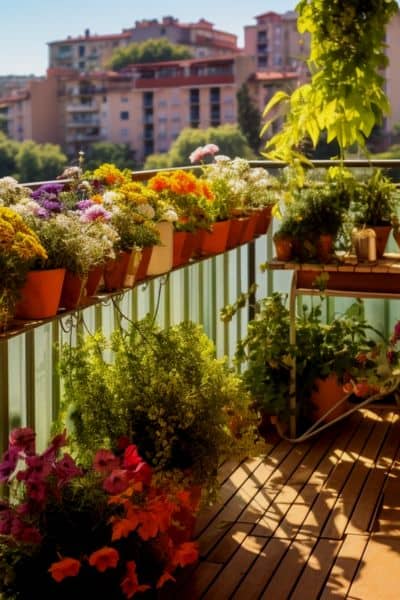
(315, 519)
(81, 108)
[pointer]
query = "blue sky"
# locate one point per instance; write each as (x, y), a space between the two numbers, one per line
(27, 25)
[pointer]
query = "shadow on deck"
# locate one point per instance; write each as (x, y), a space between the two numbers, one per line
(314, 520)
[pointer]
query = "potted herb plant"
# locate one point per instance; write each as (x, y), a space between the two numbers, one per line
(375, 205)
(166, 391)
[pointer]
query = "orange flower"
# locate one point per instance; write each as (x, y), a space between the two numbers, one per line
(166, 576)
(103, 559)
(97, 198)
(67, 567)
(130, 584)
(123, 527)
(185, 554)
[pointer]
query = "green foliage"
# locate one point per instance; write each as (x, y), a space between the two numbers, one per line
(8, 154)
(249, 118)
(228, 138)
(320, 349)
(345, 97)
(153, 50)
(106, 152)
(39, 162)
(375, 200)
(164, 388)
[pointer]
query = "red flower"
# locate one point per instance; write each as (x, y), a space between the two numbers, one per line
(67, 567)
(103, 559)
(131, 457)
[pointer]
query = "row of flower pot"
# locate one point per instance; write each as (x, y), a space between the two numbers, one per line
(46, 291)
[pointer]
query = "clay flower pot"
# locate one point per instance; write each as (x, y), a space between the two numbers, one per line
(40, 296)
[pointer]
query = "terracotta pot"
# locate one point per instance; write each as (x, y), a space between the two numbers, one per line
(94, 280)
(73, 291)
(382, 235)
(40, 296)
(183, 247)
(235, 233)
(214, 242)
(144, 263)
(324, 247)
(249, 229)
(327, 393)
(115, 271)
(162, 256)
(263, 220)
(196, 237)
(283, 248)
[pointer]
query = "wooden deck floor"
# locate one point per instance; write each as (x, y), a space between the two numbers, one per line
(313, 520)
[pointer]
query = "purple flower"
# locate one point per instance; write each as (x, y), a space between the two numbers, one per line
(84, 204)
(23, 439)
(47, 191)
(95, 213)
(51, 206)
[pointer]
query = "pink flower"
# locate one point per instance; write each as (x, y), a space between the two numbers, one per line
(105, 461)
(66, 470)
(36, 490)
(210, 149)
(95, 213)
(116, 482)
(6, 521)
(197, 155)
(56, 443)
(31, 535)
(23, 439)
(143, 472)
(8, 464)
(396, 331)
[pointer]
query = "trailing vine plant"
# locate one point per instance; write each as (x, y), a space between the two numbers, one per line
(345, 97)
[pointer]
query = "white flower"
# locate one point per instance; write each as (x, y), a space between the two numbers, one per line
(110, 197)
(170, 215)
(146, 210)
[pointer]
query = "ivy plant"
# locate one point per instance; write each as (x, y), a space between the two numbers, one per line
(345, 96)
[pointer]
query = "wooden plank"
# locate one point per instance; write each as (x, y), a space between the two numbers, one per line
(230, 576)
(318, 566)
(213, 523)
(326, 499)
(285, 577)
(343, 508)
(342, 573)
(196, 582)
(389, 517)
(378, 574)
(371, 493)
(261, 572)
(230, 543)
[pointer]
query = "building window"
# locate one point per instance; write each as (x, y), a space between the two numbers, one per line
(262, 61)
(148, 147)
(124, 115)
(124, 132)
(81, 65)
(81, 51)
(215, 106)
(194, 107)
(124, 99)
(104, 99)
(148, 99)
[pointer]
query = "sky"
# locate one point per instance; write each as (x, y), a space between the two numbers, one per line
(27, 25)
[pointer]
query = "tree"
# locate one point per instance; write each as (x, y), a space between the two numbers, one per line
(228, 138)
(8, 153)
(249, 118)
(120, 155)
(38, 162)
(153, 50)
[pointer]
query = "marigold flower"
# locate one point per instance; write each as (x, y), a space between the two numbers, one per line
(67, 567)
(103, 559)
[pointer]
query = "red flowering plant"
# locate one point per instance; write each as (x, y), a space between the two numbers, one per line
(190, 196)
(106, 532)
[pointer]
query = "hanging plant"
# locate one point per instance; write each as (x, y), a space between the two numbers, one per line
(345, 96)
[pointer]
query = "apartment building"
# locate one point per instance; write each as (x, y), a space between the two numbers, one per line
(33, 113)
(276, 44)
(91, 52)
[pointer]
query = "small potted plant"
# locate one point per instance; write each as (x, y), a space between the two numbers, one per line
(19, 248)
(374, 205)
